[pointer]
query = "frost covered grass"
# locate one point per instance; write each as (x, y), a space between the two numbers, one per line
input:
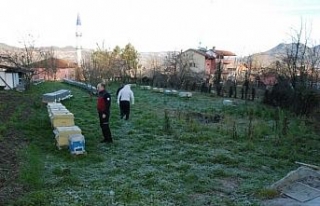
(197, 162)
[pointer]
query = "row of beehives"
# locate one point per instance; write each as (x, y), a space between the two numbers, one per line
(56, 96)
(82, 85)
(67, 134)
(167, 91)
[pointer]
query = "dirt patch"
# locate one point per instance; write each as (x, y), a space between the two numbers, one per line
(203, 118)
(11, 140)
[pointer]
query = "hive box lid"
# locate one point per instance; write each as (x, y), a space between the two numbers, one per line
(68, 129)
(76, 137)
(50, 104)
(62, 115)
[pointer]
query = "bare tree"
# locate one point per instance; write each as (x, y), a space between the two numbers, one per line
(295, 56)
(235, 78)
(218, 75)
(247, 80)
(25, 58)
(312, 62)
(90, 70)
(154, 64)
(50, 62)
(178, 68)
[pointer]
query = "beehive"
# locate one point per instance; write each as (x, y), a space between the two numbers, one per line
(56, 96)
(185, 94)
(51, 104)
(167, 91)
(76, 144)
(174, 92)
(52, 112)
(55, 106)
(62, 134)
(161, 90)
(61, 119)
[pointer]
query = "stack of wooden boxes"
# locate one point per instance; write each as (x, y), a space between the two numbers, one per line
(67, 134)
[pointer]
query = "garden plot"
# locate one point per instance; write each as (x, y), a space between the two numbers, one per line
(12, 111)
(160, 159)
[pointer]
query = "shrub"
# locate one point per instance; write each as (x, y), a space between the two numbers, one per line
(300, 100)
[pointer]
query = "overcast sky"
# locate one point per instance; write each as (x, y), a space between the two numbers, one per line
(242, 26)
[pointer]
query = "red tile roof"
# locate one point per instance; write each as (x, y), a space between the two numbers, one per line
(224, 53)
(54, 62)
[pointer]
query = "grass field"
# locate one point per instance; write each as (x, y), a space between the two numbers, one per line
(169, 153)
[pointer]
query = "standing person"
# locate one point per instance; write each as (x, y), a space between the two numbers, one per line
(125, 96)
(118, 90)
(103, 107)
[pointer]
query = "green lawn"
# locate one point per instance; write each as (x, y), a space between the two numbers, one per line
(167, 154)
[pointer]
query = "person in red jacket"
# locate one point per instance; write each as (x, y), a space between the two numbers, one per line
(103, 107)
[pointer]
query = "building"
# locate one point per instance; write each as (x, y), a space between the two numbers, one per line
(54, 69)
(10, 77)
(206, 61)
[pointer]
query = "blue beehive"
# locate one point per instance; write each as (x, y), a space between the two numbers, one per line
(76, 144)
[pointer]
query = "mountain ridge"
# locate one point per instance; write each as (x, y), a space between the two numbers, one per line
(265, 58)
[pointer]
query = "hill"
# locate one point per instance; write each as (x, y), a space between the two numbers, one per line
(264, 59)
(280, 51)
(67, 53)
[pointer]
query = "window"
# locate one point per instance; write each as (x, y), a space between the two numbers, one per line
(192, 64)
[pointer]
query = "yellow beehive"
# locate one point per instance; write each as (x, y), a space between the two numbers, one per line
(62, 119)
(58, 111)
(62, 134)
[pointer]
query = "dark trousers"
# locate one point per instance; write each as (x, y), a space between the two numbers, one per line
(124, 109)
(104, 124)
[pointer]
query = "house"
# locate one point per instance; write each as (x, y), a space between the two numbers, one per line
(261, 76)
(10, 77)
(54, 69)
(206, 61)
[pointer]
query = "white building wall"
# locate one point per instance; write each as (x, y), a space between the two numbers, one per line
(12, 79)
(3, 76)
(197, 59)
(200, 62)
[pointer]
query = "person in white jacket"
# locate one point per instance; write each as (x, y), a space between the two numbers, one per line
(125, 97)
